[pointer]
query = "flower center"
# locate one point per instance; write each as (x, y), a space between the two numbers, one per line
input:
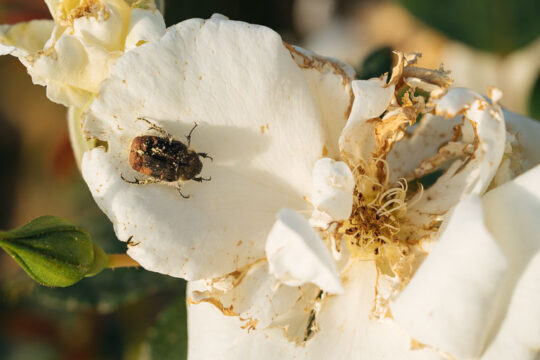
(73, 9)
(377, 214)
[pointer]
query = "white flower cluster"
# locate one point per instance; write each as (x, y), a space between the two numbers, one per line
(314, 237)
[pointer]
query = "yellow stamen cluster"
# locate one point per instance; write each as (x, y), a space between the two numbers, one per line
(70, 10)
(377, 212)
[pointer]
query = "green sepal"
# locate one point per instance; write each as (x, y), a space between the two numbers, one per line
(101, 261)
(52, 251)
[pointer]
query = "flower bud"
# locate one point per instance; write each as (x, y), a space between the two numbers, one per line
(53, 251)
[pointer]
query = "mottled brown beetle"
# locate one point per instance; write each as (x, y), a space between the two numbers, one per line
(164, 159)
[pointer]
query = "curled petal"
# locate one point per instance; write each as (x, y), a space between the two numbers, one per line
(251, 293)
(357, 141)
(455, 102)
(332, 189)
(371, 98)
(330, 82)
(449, 302)
(144, 26)
(471, 169)
(297, 255)
(429, 135)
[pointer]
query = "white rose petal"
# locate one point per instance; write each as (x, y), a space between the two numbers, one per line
(371, 98)
(144, 26)
(449, 302)
(519, 337)
(25, 38)
(330, 82)
(254, 295)
(332, 189)
(512, 217)
(484, 129)
(250, 99)
(428, 136)
(527, 133)
(455, 102)
(297, 255)
(104, 27)
(347, 330)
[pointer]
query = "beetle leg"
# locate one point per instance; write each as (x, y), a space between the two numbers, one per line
(205, 156)
(179, 189)
(201, 179)
(141, 182)
(188, 137)
(157, 128)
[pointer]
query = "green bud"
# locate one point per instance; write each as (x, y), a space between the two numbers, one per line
(53, 251)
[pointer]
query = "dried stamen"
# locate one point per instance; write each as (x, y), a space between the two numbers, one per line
(378, 210)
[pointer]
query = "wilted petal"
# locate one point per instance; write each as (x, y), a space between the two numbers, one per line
(257, 119)
(252, 294)
(371, 98)
(455, 102)
(297, 255)
(512, 217)
(429, 135)
(449, 302)
(332, 189)
(482, 137)
(346, 330)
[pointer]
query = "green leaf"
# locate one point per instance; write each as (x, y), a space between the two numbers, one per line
(499, 26)
(167, 339)
(51, 250)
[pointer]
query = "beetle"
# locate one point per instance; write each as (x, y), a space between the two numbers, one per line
(165, 159)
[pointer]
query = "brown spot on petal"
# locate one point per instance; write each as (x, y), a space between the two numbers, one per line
(314, 61)
(251, 324)
(227, 311)
(324, 151)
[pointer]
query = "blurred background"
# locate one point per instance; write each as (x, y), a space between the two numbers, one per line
(134, 314)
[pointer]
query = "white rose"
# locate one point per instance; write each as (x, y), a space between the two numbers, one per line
(73, 53)
(356, 266)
